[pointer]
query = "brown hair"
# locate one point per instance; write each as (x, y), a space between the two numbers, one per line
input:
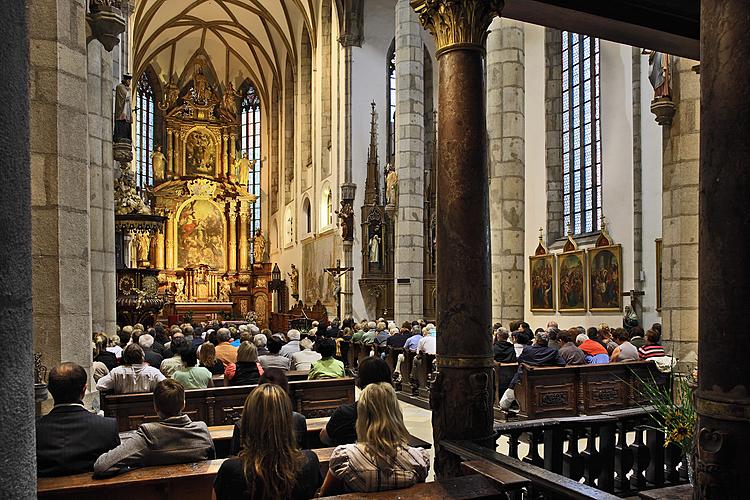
(380, 423)
(247, 353)
(169, 398)
(270, 458)
(207, 355)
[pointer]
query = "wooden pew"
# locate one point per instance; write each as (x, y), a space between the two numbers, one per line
(222, 435)
(223, 405)
(170, 482)
(458, 488)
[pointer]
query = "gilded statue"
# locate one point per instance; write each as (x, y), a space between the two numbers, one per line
(144, 250)
(159, 163)
(229, 100)
(225, 289)
(123, 111)
(374, 247)
(294, 281)
(242, 169)
(259, 247)
(200, 85)
(391, 185)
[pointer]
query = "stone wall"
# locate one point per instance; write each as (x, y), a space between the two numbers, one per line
(506, 144)
(553, 139)
(681, 142)
(60, 181)
(409, 164)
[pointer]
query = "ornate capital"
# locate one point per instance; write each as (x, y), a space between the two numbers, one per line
(457, 23)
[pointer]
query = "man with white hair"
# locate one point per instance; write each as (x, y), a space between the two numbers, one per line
(146, 341)
(372, 331)
(427, 345)
(261, 340)
(225, 351)
(304, 359)
(292, 346)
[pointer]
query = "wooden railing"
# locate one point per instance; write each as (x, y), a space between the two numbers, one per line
(618, 452)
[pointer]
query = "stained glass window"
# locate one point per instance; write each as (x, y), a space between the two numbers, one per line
(582, 172)
(144, 133)
(250, 128)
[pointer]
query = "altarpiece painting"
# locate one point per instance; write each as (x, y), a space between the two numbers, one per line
(200, 235)
(542, 279)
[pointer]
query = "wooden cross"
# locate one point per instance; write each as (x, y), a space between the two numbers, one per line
(337, 272)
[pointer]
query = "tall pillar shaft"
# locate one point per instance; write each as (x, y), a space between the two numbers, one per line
(18, 476)
(506, 140)
(244, 214)
(170, 240)
(232, 254)
(723, 400)
(170, 156)
(409, 248)
(462, 394)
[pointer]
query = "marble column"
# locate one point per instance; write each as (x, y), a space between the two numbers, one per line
(244, 244)
(232, 253)
(409, 247)
(723, 398)
(462, 394)
(17, 444)
(506, 164)
(680, 167)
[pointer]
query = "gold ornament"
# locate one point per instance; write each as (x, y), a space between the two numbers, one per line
(457, 24)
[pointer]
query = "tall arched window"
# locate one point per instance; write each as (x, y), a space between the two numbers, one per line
(250, 145)
(144, 132)
(391, 102)
(582, 145)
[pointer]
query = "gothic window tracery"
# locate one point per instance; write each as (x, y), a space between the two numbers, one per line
(250, 144)
(144, 133)
(581, 133)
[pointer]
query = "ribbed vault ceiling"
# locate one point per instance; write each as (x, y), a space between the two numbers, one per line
(241, 38)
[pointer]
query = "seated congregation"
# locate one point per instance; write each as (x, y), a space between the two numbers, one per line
(270, 431)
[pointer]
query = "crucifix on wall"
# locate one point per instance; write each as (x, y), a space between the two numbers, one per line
(337, 272)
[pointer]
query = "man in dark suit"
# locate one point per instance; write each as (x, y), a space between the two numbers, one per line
(70, 438)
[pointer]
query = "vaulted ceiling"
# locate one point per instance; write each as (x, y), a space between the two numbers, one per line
(241, 38)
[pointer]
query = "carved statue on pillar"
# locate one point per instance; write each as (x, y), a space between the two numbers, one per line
(259, 247)
(159, 162)
(225, 290)
(346, 216)
(123, 111)
(294, 281)
(391, 185)
(241, 169)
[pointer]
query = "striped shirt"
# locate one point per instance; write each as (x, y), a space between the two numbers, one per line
(359, 472)
(651, 351)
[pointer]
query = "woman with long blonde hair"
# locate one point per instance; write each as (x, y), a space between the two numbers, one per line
(269, 465)
(381, 459)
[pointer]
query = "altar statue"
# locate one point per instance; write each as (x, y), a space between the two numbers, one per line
(144, 250)
(259, 247)
(201, 86)
(374, 246)
(225, 289)
(123, 112)
(229, 100)
(159, 164)
(242, 169)
(179, 293)
(294, 281)
(391, 185)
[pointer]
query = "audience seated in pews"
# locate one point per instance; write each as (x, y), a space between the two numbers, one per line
(427, 345)
(207, 355)
(328, 366)
(381, 459)
(399, 339)
(273, 359)
(269, 464)
(114, 346)
(261, 340)
(278, 377)
(554, 341)
(334, 330)
(293, 345)
(304, 359)
(538, 354)
(190, 375)
(341, 426)
(101, 352)
(568, 351)
(520, 341)
(247, 370)
(225, 351)
(637, 337)
(132, 376)
(178, 347)
(625, 351)
(596, 353)
(372, 332)
(502, 350)
(70, 438)
(652, 348)
(151, 357)
(411, 344)
(174, 439)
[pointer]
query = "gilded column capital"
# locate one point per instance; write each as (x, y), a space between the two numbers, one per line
(232, 209)
(457, 24)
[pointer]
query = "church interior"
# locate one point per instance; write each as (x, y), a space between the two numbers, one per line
(471, 169)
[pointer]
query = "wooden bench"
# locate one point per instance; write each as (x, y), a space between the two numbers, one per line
(223, 405)
(568, 391)
(222, 435)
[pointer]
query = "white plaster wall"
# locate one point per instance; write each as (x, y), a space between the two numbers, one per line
(651, 175)
(617, 172)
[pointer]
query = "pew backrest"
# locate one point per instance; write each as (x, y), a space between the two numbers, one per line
(223, 405)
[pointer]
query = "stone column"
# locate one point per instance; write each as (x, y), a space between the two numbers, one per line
(224, 155)
(18, 476)
(232, 253)
(244, 215)
(170, 240)
(409, 248)
(505, 133)
(462, 394)
(680, 163)
(59, 144)
(723, 400)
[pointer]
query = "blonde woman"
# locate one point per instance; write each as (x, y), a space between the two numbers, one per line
(269, 466)
(381, 459)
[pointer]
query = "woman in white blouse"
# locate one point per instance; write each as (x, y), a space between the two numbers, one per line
(381, 459)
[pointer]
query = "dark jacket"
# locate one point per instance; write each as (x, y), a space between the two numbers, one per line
(504, 352)
(537, 355)
(174, 440)
(70, 438)
(398, 340)
(245, 374)
(108, 358)
(572, 354)
(152, 358)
